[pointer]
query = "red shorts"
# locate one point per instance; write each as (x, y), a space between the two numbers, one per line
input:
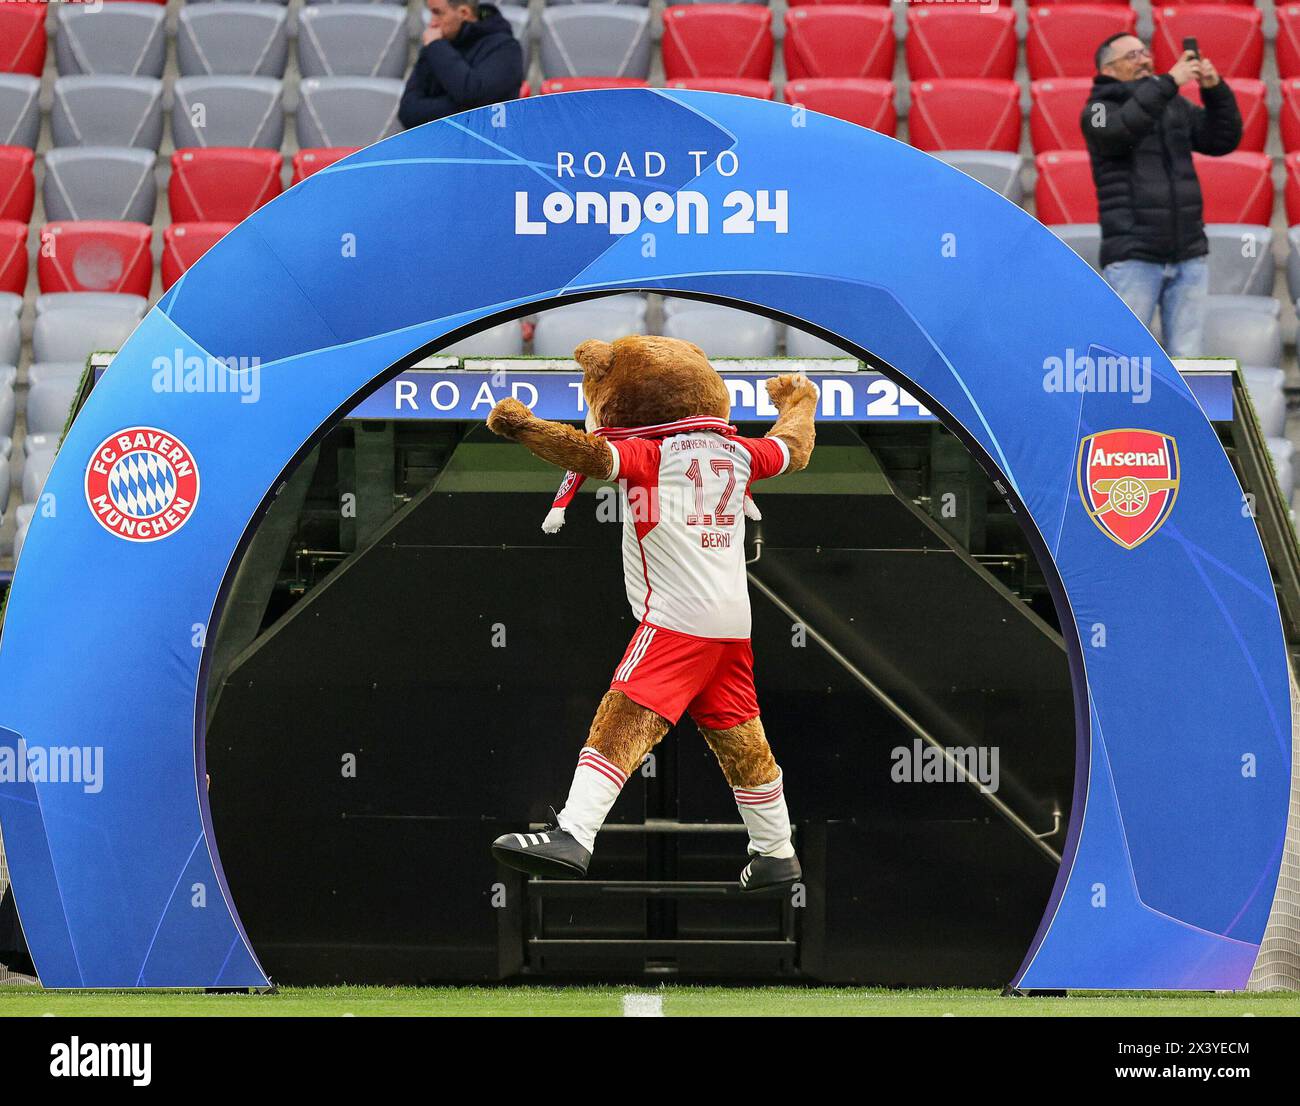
(671, 673)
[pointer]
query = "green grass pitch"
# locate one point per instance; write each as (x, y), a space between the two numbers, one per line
(674, 1001)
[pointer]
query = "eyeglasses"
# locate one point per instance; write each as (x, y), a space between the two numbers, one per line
(1132, 55)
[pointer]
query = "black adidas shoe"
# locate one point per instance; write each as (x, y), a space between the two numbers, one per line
(770, 873)
(549, 852)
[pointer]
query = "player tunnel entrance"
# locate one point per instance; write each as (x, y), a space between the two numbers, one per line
(406, 666)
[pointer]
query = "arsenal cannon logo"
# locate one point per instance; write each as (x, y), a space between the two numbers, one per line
(1128, 480)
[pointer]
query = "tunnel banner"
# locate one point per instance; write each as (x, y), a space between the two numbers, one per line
(349, 278)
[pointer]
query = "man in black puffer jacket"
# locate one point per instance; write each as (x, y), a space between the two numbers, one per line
(469, 58)
(1141, 134)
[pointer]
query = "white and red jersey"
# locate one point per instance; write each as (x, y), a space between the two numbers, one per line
(684, 525)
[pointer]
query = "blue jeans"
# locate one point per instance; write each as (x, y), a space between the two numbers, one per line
(1178, 289)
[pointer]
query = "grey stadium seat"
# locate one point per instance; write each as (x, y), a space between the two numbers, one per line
(520, 20)
(1083, 238)
(347, 111)
(1268, 397)
(228, 111)
(1245, 327)
(20, 110)
(49, 401)
(100, 182)
(1281, 450)
(560, 329)
(506, 340)
(126, 38)
(36, 470)
(352, 40)
(11, 338)
(6, 480)
(11, 303)
(1241, 259)
(34, 443)
(723, 331)
(237, 39)
(54, 370)
(107, 110)
(992, 168)
(74, 333)
(24, 520)
(799, 343)
(595, 40)
(124, 301)
(1293, 262)
(316, 3)
(636, 3)
(8, 401)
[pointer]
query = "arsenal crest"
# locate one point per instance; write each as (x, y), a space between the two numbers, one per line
(142, 484)
(1128, 480)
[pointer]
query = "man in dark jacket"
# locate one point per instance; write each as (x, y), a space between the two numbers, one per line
(469, 58)
(1141, 133)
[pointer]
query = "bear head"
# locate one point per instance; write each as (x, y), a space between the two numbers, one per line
(643, 380)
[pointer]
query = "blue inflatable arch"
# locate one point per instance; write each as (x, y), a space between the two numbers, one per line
(1182, 703)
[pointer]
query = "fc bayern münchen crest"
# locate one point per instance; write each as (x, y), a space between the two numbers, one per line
(1128, 480)
(142, 484)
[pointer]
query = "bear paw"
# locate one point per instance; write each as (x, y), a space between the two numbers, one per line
(789, 389)
(508, 418)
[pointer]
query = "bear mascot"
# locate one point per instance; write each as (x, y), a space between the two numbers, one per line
(657, 425)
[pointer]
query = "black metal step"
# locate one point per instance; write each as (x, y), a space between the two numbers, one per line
(595, 889)
(659, 946)
(660, 825)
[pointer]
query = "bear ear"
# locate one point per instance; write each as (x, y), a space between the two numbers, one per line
(595, 357)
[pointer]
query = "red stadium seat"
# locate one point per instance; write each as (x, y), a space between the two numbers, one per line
(717, 40)
(1286, 48)
(1292, 189)
(95, 256)
(1230, 35)
(1237, 188)
(1073, 3)
(525, 90)
(960, 41)
(312, 160)
(1063, 38)
(1251, 102)
(868, 102)
(222, 184)
(13, 256)
(1055, 111)
(17, 183)
(185, 243)
(737, 86)
(582, 84)
(1289, 117)
(820, 3)
(22, 38)
(965, 115)
(839, 40)
(1065, 192)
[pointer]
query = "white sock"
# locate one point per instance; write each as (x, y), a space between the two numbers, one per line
(596, 784)
(764, 813)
